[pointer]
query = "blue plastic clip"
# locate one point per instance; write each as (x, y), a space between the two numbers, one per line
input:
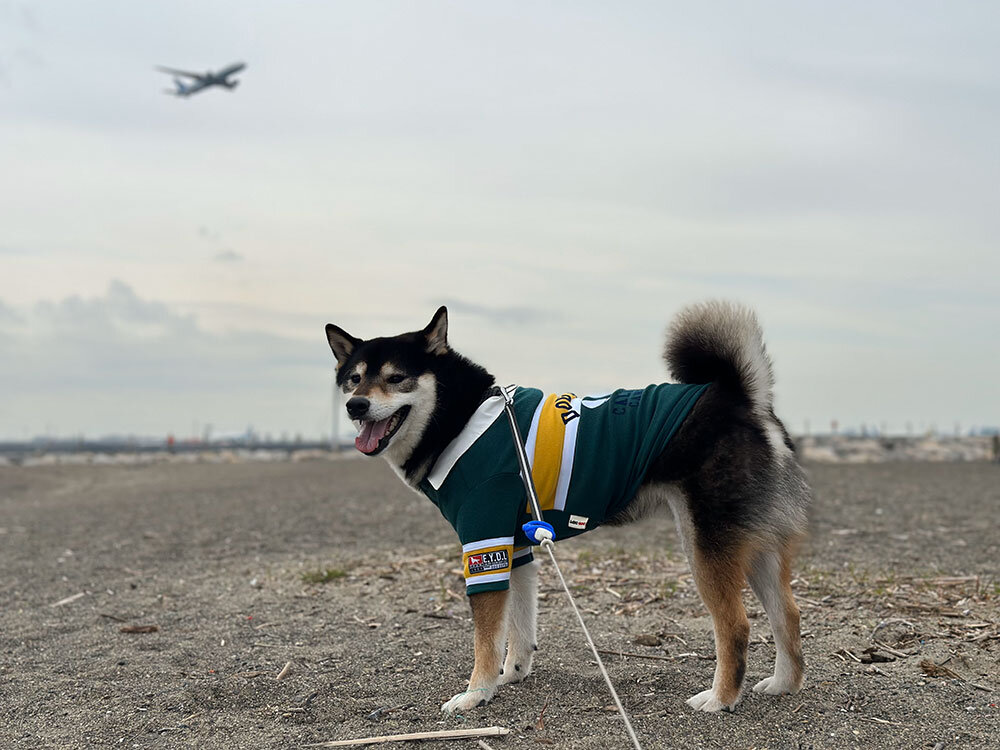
(536, 531)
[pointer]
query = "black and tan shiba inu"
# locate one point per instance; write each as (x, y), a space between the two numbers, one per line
(710, 448)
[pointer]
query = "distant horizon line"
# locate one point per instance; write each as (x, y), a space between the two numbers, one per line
(285, 438)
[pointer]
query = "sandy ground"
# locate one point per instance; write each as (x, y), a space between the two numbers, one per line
(217, 556)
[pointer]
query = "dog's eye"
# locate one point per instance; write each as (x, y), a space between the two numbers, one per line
(393, 379)
(355, 378)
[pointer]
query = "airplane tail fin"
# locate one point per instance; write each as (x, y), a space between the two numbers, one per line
(181, 88)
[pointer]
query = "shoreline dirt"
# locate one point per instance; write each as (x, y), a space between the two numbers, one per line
(900, 571)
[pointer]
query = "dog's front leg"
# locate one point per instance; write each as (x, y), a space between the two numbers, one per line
(522, 606)
(489, 617)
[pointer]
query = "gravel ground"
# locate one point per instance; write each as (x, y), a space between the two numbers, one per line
(335, 568)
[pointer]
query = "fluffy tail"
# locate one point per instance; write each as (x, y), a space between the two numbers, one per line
(721, 342)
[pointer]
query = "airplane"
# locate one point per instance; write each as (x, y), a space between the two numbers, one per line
(201, 80)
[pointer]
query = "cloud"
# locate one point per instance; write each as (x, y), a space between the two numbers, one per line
(119, 316)
(228, 256)
(119, 361)
(208, 234)
(121, 339)
(23, 13)
(8, 315)
(20, 18)
(513, 315)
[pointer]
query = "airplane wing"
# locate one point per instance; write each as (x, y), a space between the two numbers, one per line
(234, 68)
(174, 71)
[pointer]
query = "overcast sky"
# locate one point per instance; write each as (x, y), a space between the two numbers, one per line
(565, 175)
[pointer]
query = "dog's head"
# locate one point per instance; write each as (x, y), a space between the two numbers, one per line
(390, 384)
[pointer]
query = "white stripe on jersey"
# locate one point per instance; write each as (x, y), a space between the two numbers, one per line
(568, 452)
(497, 541)
(592, 402)
(529, 442)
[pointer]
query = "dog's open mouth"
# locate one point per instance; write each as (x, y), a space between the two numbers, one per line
(375, 436)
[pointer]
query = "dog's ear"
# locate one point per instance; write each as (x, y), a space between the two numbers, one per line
(436, 332)
(341, 342)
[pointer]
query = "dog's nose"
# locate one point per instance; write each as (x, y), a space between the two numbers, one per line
(357, 407)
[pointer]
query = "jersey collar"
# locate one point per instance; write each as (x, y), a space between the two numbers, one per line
(482, 419)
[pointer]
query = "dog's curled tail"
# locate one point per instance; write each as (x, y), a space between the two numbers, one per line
(721, 342)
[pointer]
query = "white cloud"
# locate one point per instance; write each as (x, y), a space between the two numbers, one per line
(119, 362)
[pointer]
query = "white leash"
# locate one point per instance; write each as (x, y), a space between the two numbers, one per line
(543, 534)
(549, 545)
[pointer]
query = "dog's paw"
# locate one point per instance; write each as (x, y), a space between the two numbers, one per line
(708, 701)
(467, 700)
(776, 686)
(516, 667)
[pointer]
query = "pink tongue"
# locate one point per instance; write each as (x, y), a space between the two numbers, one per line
(371, 433)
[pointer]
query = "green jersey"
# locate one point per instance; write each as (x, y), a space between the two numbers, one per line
(588, 457)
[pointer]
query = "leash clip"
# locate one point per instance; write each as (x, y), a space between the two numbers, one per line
(538, 531)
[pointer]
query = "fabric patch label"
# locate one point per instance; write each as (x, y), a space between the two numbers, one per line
(578, 522)
(485, 562)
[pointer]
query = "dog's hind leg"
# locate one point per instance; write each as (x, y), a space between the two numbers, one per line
(522, 616)
(720, 576)
(489, 618)
(770, 579)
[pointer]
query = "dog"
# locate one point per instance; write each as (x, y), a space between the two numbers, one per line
(709, 447)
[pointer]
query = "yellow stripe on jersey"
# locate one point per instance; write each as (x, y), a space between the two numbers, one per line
(549, 448)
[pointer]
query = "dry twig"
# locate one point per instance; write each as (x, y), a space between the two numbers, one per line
(891, 650)
(937, 670)
(448, 734)
(876, 720)
(849, 653)
(138, 628)
(69, 599)
(540, 724)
